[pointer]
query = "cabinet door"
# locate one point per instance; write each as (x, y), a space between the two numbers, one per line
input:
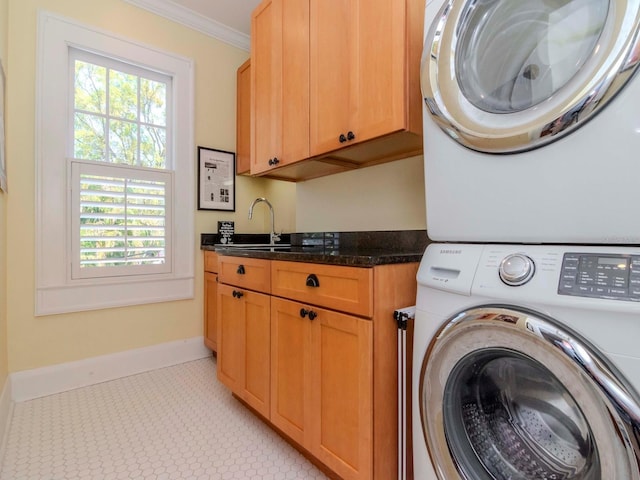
(210, 310)
(381, 57)
(279, 83)
(231, 333)
(243, 345)
(358, 72)
(243, 118)
(257, 352)
(342, 393)
(266, 87)
(321, 393)
(332, 100)
(290, 366)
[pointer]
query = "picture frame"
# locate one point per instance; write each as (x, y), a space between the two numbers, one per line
(216, 179)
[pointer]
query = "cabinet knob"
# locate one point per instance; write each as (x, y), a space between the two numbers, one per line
(342, 138)
(304, 312)
(350, 136)
(240, 270)
(237, 294)
(312, 281)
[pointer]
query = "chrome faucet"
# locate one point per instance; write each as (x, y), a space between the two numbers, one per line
(272, 235)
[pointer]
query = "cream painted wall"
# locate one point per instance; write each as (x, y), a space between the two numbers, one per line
(390, 196)
(280, 194)
(39, 341)
(4, 14)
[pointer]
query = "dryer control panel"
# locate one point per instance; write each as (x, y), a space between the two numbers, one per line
(611, 276)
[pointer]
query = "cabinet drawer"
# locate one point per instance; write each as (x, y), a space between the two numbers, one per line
(210, 261)
(347, 289)
(249, 273)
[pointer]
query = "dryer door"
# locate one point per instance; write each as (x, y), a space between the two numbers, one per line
(505, 76)
(506, 394)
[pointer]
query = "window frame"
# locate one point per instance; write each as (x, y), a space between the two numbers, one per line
(56, 290)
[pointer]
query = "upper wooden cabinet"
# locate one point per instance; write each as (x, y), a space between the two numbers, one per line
(360, 101)
(243, 119)
(333, 95)
(279, 84)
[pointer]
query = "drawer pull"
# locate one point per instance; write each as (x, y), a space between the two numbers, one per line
(311, 313)
(312, 281)
(237, 294)
(240, 270)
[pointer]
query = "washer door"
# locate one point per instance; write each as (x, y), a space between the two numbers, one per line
(506, 394)
(505, 76)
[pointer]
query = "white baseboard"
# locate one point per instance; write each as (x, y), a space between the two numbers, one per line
(39, 382)
(6, 410)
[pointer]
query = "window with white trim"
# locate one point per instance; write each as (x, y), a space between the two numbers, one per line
(120, 114)
(115, 170)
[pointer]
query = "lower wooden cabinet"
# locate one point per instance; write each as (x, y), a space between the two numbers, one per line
(321, 384)
(290, 369)
(243, 345)
(210, 300)
(210, 310)
(313, 349)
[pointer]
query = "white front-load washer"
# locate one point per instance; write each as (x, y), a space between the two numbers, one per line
(531, 120)
(526, 363)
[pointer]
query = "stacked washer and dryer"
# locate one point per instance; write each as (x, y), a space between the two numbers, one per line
(526, 360)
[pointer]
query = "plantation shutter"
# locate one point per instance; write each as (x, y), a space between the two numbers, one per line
(122, 218)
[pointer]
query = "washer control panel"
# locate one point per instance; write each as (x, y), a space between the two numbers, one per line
(612, 276)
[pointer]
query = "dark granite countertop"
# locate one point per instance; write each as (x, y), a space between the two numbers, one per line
(363, 249)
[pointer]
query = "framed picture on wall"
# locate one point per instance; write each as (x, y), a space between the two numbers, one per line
(216, 180)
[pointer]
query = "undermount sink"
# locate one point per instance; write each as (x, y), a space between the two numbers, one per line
(256, 246)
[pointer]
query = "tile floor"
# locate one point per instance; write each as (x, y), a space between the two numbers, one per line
(173, 423)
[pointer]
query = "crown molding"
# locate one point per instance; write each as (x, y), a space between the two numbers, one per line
(191, 19)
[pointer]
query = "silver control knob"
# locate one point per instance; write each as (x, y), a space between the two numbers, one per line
(516, 269)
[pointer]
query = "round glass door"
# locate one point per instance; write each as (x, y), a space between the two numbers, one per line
(507, 417)
(508, 394)
(512, 55)
(504, 76)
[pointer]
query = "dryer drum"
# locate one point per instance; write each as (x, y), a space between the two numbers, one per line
(509, 394)
(519, 420)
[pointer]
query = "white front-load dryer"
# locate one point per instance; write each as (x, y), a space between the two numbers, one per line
(531, 120)
(526, 363)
